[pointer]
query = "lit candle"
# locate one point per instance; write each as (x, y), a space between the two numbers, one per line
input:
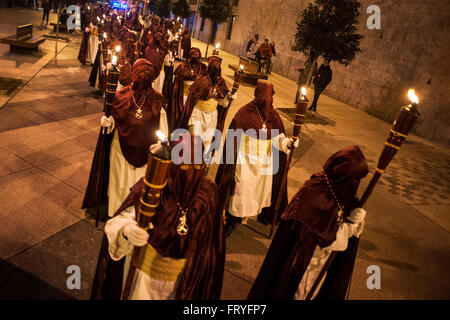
(98, 18)
(104, 35)
(117, 48)
(241, 67)
(114, 60)
(217, 46)
(303, 91)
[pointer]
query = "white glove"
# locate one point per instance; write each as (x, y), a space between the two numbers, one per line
(286, 143)
(357, 216)
(136, 235)
(107, 121)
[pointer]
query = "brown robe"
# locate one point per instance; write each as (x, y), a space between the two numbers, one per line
(136, 135)
(183, 73)
(203, 89)
(311, 220)
(248, 118)
(203, 247)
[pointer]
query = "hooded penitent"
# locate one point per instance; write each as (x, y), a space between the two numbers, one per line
(203, 247)
(203, 88)
(187, 71)
(137, 134)
(250, 117)
(311, 220)
(156, 51)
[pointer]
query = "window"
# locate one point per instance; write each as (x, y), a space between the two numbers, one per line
(202, 24)
(230, 27)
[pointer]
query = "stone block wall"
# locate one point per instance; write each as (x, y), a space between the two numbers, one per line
(411, 50)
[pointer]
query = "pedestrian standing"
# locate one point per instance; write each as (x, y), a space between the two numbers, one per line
(46, 8)
(321, 80)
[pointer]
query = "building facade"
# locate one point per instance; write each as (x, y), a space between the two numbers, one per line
(410, 50)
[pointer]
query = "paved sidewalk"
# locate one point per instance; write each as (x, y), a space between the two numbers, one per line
(48, 132)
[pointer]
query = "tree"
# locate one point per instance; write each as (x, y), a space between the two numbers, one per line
(328, 28)
(181, 9)
(217, 11)
(161, 7)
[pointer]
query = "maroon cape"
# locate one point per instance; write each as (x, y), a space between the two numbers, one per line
(311, 220)
(248, 118)
(136, 135)
(183, 73)
(203, 89)
(84, 47)
(203, 247)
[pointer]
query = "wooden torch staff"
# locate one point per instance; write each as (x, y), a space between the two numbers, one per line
(298, 122)
(111, 87)
(105, 56)
(155, 180)
(403, 124)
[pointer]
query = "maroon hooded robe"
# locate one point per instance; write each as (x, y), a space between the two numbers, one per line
(203, 88)
(247, 118)
(203, 247)
(311, 220)
(187, 71)
(136, 135)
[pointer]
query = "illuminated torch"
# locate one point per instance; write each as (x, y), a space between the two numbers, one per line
(216, 50)
(403, 124)
(155, 179)
(300, 112)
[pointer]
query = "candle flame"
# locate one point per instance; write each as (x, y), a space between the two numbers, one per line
(117, 48)
(98, 19)
(412, 96)
(242, 67)
(104, 35)
(161, 136)
(217, 46)
(104, 17)
(303, 91)
(114, 60)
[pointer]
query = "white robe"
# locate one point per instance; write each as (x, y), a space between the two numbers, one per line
(122, 175)
(320, 256)
(143, 286)
(254, 175)
(92, 48)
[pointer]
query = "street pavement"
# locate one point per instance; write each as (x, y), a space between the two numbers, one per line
(48, 132)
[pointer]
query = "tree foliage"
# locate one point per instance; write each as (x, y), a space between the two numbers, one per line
(217, 11)
(161, 7)
(181, 9)
(328, 28)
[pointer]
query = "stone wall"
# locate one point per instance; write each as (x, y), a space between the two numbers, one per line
(411, 50)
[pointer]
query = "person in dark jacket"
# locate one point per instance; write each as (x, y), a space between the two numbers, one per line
(322, 78)
(46, 9)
